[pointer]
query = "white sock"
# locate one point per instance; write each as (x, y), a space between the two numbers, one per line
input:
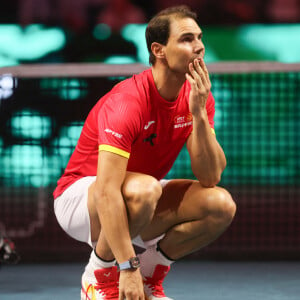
(151, 258)
(95, 263)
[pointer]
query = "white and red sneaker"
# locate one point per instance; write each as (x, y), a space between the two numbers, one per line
(103, 287)
(153, 285)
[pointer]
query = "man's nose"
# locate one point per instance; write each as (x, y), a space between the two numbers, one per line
(199, 47)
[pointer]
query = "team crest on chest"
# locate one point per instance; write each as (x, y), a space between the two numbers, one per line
(181, 121)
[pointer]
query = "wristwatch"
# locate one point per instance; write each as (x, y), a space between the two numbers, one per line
(131, 264)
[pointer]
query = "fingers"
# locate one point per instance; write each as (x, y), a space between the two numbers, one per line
(191, 80)
(132, 297)
(205, 71)
(200, 86)
(194, 71)
(195, 79)
(199, 74)
(131, 286)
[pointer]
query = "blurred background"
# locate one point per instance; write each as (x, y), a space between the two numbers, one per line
(49, 31)
(257, 114)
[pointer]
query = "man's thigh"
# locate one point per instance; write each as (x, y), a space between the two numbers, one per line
(182, 200)
(134, 184)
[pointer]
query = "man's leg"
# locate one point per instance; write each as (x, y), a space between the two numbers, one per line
(141, 194)
(191, 217)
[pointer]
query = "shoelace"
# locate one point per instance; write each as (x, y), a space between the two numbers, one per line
(155, 285)
(108, 289)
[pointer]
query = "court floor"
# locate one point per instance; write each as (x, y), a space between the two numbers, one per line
(188, 280)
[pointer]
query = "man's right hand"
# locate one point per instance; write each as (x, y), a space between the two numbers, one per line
(131, 285)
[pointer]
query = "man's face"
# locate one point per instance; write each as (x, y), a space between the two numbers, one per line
(184, 44)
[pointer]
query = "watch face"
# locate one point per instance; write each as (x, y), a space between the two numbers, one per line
(135, 262)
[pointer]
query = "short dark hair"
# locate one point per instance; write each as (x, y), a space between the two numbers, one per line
(158, 29)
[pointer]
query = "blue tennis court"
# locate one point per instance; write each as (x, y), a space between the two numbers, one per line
(188, 280)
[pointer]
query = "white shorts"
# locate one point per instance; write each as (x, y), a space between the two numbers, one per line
(72, 213)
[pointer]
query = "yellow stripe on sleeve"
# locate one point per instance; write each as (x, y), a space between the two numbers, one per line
(213, 131)
(115, 150)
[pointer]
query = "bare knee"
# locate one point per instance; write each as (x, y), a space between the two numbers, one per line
(223, 208)
(141, 196)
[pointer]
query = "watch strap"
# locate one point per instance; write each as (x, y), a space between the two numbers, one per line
(125, 265)
(132, 264)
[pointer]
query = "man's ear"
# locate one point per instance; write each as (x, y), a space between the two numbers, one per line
(157, 50)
